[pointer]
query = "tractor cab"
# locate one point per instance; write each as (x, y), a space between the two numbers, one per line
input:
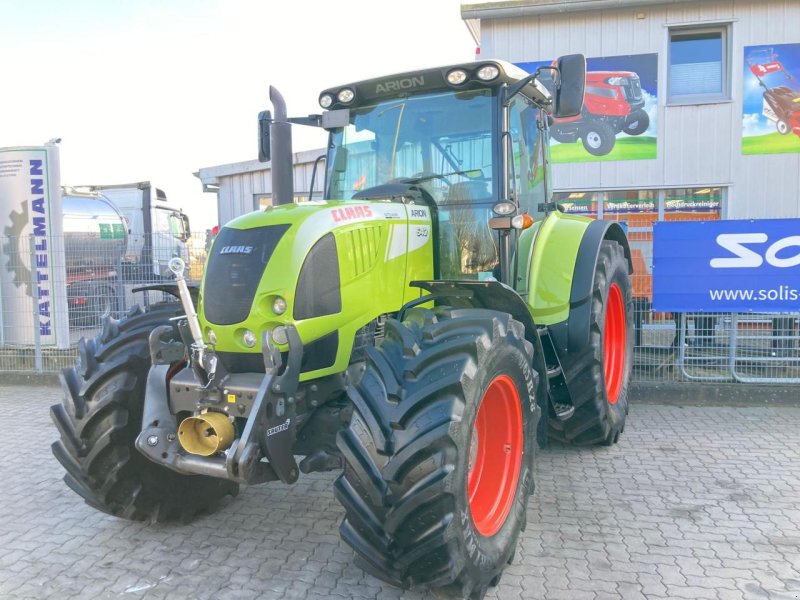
(465, 140)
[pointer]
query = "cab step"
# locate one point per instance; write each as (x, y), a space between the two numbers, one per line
(561, 407)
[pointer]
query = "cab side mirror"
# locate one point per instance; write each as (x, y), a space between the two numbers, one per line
(187, 231)
(572, 80)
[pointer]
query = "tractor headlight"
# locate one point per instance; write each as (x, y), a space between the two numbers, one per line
(615, 80)
(488, 72)
(249, 338)
(279, 305)
(212, 337)
(346, 96)
(456, 77)
(325, 100)
(279, 335)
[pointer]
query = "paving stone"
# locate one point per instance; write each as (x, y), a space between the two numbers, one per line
(693, 502)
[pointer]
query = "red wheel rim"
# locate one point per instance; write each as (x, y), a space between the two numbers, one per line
(495, 456)
(615, 344)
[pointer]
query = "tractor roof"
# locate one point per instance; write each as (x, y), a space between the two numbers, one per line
(430, 80)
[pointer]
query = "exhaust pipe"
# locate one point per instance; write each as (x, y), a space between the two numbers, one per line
(206, 434)
(281, 150)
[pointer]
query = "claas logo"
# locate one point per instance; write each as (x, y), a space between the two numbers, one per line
(351, 212)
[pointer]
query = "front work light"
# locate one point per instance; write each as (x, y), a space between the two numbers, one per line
(488, 72)
(346, 96)
(326, 100)
(504, 209)
(456, 77)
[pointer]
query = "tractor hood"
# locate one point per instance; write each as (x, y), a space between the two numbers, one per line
(324, 266)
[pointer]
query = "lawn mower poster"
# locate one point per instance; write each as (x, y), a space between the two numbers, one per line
(618, 120)
(771, 99)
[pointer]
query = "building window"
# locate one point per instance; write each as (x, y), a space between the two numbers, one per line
(261, 201)
(698, 65)
(637, 211)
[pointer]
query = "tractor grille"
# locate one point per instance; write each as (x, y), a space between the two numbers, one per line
(234, 271)
(632, 88)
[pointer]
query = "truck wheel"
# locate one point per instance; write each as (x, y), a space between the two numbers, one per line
(782, 127)
(100, 418)
(600, 390)
(598, 138)
(439, 452)
(637, 123)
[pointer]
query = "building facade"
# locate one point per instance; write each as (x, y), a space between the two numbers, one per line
(247, 186)
(703, 117)
(708, 139)
(691, 113)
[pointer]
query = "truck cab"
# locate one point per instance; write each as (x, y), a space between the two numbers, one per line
(158, 230)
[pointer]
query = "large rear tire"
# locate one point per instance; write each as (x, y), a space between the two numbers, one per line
(600, 390)
(439, 451)
(100, 418)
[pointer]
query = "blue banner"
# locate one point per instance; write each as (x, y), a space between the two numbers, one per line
(727, 266)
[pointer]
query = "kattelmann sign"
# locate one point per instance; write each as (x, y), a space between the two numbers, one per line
(727, 266)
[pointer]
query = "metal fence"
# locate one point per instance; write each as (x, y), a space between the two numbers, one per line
(43, 313)
(57, 290)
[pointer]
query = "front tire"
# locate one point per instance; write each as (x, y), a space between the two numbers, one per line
(598, 138)
(100, 418)
(783, 127)
(439, 451)
(600, 388)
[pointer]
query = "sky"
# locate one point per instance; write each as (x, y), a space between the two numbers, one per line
(156, 89)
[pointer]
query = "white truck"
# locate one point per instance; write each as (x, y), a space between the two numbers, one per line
(157, 231)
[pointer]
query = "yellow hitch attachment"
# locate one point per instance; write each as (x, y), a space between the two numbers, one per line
(206, 434)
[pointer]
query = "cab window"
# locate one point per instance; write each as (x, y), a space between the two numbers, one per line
(528, 176)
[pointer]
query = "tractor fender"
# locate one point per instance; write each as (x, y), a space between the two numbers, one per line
(493, 295)
(583, 278)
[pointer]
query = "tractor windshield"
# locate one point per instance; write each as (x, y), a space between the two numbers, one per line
(442, 142)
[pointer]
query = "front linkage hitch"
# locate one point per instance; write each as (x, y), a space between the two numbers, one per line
(267, 401)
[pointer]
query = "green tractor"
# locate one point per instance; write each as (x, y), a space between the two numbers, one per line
(421, 329)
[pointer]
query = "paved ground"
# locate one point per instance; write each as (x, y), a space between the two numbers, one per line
(695, 502)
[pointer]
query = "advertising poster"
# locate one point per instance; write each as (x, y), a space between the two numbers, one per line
(32, 270)
(727, 266)
(620, 108)
(771, 99)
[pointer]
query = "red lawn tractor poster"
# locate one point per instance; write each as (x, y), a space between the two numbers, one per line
(618, 120)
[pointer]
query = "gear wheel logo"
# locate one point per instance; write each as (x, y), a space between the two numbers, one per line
(12, 249)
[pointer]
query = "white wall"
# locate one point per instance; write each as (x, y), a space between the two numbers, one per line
(698, 145)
